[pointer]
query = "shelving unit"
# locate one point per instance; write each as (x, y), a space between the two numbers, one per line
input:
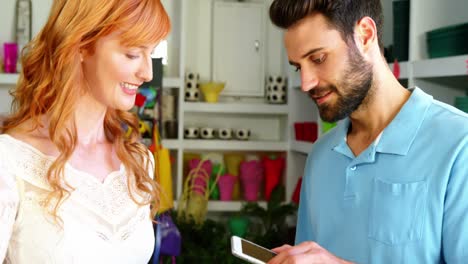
(234, 145)
(228, 206)
(434, 68)
(302, 147)
(404, 69)
(172, 82)
(172, 144)
(441, 67)
(239, 108)
(8, 78)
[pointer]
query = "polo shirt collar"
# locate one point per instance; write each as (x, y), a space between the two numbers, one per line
(398, 136)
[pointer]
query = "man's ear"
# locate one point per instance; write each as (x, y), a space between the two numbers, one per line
(365, 34)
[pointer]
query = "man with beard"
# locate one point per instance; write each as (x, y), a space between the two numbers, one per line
(390, 183)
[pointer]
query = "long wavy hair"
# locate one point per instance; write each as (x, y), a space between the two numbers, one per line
(52, 71)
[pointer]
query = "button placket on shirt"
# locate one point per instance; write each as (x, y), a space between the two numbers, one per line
(352, 173)
(349, 193)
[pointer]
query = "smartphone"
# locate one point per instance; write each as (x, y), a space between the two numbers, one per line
(249, 251)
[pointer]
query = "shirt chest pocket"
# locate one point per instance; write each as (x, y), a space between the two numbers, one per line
(397, 211)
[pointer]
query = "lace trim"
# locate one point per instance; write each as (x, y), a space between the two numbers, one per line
(127, 230)
(110, 201)
(29, 166)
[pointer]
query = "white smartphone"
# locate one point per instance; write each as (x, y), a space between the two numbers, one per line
(249, 251)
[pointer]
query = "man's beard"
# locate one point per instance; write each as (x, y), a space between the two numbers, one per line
(354, 84)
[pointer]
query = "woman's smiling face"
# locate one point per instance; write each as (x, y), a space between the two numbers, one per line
(113, 72)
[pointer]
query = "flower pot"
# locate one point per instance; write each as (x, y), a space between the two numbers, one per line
(232, 161)
(226, 185)
(273, 171)
(238, 225)
(211, 91)
(251, 176)
(310, 132)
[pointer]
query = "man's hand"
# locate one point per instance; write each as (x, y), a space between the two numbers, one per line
(307, 252)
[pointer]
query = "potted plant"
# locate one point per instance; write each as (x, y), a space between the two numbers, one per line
(271, 229)
(208, 242)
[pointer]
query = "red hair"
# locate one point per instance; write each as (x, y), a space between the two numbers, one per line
(51, 72)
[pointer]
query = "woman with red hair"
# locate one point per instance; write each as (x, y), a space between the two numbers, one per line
(73, 187)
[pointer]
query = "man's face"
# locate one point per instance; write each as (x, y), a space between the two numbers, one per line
(334, 74)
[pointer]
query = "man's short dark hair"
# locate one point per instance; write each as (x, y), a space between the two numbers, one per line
(341, 14)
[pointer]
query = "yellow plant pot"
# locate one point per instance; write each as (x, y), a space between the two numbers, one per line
(211, 91)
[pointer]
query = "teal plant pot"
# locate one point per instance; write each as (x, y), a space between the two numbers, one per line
(238, 225)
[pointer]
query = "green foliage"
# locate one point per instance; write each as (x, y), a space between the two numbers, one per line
(205, 243)
(272, 230)
(209, 242)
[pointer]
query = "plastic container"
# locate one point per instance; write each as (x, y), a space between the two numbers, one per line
(310, 131)
(401, 29)
(448, 41)
(462, 103)
(10, 51)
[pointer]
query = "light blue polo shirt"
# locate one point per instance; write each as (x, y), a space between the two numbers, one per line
(402, 200)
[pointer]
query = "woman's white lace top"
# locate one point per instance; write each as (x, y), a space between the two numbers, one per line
(101, 223)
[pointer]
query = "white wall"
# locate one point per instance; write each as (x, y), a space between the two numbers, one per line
(40, 11)
(199, 44)
(388, 22)
(428, 15)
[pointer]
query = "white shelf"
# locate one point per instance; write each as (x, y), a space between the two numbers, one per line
(9, 78)
(403, 69)
(171, 143)
(228, 206)
(206, 144)
(240, 108)
(12, 78)
(441, 67)
(303, 147)
(172, 82)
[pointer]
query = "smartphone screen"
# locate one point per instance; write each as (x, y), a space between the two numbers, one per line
(256, 251)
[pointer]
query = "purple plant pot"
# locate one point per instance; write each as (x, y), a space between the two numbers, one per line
(251, 176)
(251, 192)
(226, 186)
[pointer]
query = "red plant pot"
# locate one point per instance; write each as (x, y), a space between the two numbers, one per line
(310, 131)
(273, 171)
(299, 130)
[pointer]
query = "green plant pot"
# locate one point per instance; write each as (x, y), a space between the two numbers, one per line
(401, 29)
(238, 225)
(448, 41)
